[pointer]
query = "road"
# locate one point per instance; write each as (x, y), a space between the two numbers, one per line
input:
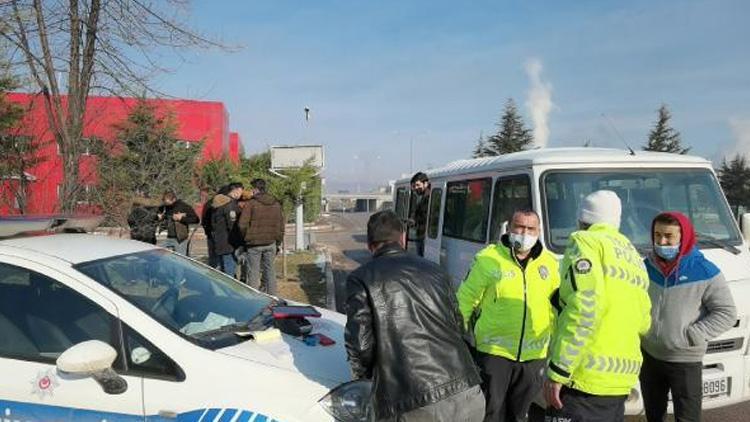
(347, 243)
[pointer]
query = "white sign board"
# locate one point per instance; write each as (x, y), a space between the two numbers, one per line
(295, 156)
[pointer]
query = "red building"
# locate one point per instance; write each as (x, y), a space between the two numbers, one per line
(206, 121)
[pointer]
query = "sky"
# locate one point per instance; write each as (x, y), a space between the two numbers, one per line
(401, 86)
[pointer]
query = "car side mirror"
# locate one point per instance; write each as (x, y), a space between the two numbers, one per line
(745, 226)
(93, 358)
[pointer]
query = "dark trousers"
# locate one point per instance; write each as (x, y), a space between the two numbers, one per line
(582, 407)
(509, 386)
(683, 379)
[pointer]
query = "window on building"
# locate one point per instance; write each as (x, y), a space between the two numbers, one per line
(87, 194)
(184, 144)
(467, 206)
(87, 146)
(40, 318)
(436, 199)
(511, 194)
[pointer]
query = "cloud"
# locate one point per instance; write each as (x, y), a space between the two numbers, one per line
(741, 132)
(539, 101)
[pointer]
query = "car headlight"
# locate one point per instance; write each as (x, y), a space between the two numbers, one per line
(349, 402)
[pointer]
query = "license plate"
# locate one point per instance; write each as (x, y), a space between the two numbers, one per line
(717, 387)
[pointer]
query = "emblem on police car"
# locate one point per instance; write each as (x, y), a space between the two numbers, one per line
(583, 266)
(44, 384)
(543, 272)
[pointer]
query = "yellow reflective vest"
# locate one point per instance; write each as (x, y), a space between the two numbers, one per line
(515, 313)
(605, 308)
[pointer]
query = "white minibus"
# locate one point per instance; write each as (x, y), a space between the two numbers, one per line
(472, 200)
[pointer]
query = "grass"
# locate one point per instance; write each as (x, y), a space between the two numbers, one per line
(304, 282)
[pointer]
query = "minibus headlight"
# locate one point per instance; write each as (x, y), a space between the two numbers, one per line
(349, 402)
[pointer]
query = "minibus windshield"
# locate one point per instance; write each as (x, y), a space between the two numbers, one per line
(185, 296)
(644, 194)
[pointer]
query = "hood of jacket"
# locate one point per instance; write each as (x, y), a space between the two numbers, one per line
(687, 242)
(220, 200)
(265, 198)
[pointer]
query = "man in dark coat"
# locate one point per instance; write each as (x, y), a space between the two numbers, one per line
(175, 216)
(262, 228)
(224, 214)
(420, 187)
(404, 332)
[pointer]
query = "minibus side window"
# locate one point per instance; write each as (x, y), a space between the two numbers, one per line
(436, 198)
(511, 194)
(467, 209)
(402, 203)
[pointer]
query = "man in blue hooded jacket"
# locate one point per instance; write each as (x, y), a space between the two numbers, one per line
(690, 305)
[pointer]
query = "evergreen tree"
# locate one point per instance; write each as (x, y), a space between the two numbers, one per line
(19, 153)
(734, 177)
(147, 160)
(663, 137)
(512, 135)
(298, 182)
(480, 150)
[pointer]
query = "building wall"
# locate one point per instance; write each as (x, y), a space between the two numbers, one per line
(206, 121)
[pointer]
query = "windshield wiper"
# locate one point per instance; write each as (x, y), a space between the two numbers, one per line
(718, 243)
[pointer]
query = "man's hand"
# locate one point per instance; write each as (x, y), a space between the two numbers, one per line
(178, 216)
(160, 216)
(552, 394)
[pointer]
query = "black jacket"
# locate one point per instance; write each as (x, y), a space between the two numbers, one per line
(419, 214)
(224, 215)
(404, 332)
(178, 229)
(143, 223)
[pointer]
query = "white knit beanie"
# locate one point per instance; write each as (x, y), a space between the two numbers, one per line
(602, 206)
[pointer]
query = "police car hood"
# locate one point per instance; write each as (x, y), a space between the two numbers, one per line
(326, 365)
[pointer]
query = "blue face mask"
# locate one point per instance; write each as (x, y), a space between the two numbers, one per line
(667, 252)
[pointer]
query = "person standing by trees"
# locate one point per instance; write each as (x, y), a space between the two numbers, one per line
(262, 226)
(224, 214)
(176, 216)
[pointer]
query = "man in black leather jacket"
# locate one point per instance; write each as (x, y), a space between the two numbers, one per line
(404, 332)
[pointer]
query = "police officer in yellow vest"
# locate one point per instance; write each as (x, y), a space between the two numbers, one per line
(595, 353)
(509, 286)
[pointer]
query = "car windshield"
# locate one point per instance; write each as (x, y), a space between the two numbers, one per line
(644, 194)
(186, 296)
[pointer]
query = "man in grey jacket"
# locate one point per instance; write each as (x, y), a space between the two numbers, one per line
(691, 304)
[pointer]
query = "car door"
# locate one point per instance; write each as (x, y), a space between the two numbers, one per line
(44, 312)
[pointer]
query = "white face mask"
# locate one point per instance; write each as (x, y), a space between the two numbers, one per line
(522, 242)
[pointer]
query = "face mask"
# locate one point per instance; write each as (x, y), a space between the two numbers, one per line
(522, 242)
(667, 252)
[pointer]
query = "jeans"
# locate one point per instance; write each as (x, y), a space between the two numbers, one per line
(260, 259)
(683, 379)
(466, 406)
(227, 263)
(179, 247)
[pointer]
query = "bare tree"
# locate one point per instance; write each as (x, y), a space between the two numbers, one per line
(97, 46)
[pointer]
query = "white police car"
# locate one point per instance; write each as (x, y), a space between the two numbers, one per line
(94, 328)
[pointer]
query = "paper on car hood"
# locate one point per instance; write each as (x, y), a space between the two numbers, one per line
(326, 365)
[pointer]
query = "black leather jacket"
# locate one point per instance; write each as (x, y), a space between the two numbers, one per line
(404, 332)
